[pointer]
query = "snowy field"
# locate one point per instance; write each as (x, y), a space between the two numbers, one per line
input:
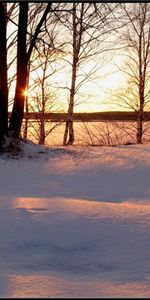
(75, 222)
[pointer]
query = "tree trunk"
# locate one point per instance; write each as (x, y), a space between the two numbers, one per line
(139, 127)
(42, 121)
(69, 122)
(18, 107)
(65, 133)
(77, 22)
(69, 130)
(42, 132)
(142, 72)
(25, 134)
(140, 117)
(3, 75)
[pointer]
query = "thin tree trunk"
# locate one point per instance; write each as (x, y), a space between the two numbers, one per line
(141, 92)
(3, 75)
(42, 131)
(65, 133)
(139, 127)
(140, 117)
(77, 22)
(70, 117)
(42, 121)
(69, 130)
(25, 135)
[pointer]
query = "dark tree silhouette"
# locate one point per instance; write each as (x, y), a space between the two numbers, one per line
(18, 108)
(23, 58)
(3, 75)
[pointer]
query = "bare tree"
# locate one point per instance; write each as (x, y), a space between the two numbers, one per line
(23, 58)
(136, 36)
(42, 97)
(88, 26)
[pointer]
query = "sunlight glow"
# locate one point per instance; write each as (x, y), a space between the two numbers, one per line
(25, 92)
(49, 285)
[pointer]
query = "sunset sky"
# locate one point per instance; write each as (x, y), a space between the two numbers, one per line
(95, 94)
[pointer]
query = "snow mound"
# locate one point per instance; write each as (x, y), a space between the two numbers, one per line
(19, 148)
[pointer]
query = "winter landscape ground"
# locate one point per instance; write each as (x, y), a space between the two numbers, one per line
(75, 222)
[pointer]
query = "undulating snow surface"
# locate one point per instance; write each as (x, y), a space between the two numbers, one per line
(75, 222)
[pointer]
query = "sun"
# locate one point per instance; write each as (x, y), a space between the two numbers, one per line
(25, 93)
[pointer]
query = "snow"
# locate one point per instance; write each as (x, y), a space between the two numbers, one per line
(75, 222)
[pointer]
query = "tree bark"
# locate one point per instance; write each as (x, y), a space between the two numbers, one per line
(69, 123)
(3, 75)
(140, 117)
(42, 121)
(25, 134)
(139, 127)
(142, 72)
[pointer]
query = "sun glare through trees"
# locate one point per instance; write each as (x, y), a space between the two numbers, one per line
(72, 58)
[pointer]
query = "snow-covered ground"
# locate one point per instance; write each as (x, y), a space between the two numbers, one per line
(75, 222)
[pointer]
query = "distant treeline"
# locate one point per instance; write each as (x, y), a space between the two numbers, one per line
(125, 116)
